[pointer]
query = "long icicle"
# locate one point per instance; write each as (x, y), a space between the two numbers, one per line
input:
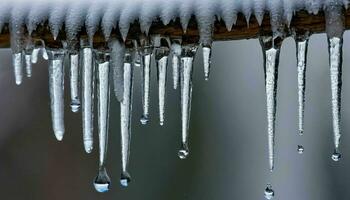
(146, 76)
(187, 57)
(56, 85)
(87, 96)
(102, 181)
(125, 117)
(271, 61)
(301, 44)
(161, 56)
(334, 15)
(74, 82)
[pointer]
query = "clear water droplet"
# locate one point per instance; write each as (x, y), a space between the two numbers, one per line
(75, 106)
(300, 149)
(336, 156)
(102, 181)
(269, 193)
(144, 120)
(183, 153)
(125, 179)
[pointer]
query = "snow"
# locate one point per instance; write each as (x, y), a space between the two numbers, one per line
(110, 13)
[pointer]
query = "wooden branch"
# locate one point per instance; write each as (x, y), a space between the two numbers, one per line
(302, 21)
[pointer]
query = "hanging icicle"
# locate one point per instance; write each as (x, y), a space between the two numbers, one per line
(125, 116)
(334, 15)
(187, 57)
(74, 82)
(56, 85)
(102, 57)
(175, 61)
(87, 95)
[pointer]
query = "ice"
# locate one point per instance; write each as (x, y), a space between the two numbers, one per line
(229, 10)
(74, 82)
(37, 15)
(102, 65)
(146, 80)
(28, 60)
(271, 59)
(87, 97)
(161, 56)
(125, 117)
(117, 65)
(335, 28)
(93, 17)
(187, 57)
(17, 60)
(56, 85)
(301, 53)
(175, 61)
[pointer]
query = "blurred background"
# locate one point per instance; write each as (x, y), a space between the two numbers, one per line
(228, 139)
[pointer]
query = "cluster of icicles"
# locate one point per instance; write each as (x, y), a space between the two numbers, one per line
(89, 65)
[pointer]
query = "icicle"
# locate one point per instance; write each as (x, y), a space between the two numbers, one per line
(35, 54)
(117, 57)
(87, 96)
(175, 61)
(102, 180)
(74, 82)
(334, 15)
(146, 76)
(125, 118)
(44, 53)
(161, 56)
(56, 85)
(301, 44)
(206, 61)
(17, 60)
(271, 51)
(28, 58)
(187, 57)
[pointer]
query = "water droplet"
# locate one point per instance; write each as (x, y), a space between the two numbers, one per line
(125, 179)
(144, 120)
(75, 105)
(300, 149)
(269, 193)
(183, 153)
(102, 181)
(336, 156)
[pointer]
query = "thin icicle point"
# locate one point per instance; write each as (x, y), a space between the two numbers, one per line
(102, 181)
(125, 118)
(175, 62)
(74, 82)
(161, 56)
(35, 54)
(206, 61)
(56, 85)
(187, 57)
(87, 97)
(335, 61)
(17, 60)
(28, 59)
(146, 76)
(302, 45)
(271, 60)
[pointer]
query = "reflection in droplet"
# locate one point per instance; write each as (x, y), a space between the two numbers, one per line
(300, 149)
(269, 193)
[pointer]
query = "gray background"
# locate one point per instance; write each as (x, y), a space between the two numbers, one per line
(228, 141)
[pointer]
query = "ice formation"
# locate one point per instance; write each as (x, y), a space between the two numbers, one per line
(74, 24)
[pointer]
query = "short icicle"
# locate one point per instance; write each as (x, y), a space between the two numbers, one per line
(125, 117)
(161, 56)
(17, 60)
(56, 85)
(87, 95)
(271, 51)
(334, 15)
(28, 59)
(35, 55)
(102, 57)
(146, 53)
(187, 57)
(175, 61)
(206, 60)
(74, 81)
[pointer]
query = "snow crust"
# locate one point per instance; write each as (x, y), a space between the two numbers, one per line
(109, 14)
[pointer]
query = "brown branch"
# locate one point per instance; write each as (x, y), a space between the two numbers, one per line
(301, 21)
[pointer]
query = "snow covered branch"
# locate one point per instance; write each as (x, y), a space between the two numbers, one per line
(301, 21)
